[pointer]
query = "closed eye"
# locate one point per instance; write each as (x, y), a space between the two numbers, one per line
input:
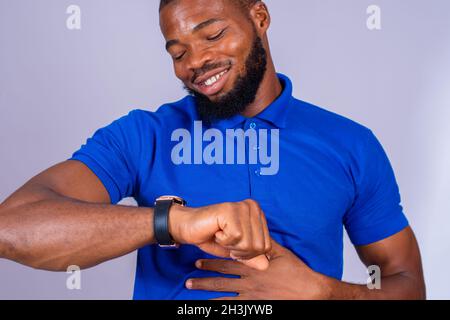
(218, 36)
(179, 56)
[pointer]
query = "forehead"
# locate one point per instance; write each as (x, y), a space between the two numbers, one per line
(182, 16)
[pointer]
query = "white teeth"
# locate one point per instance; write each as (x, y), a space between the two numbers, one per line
(214, 79)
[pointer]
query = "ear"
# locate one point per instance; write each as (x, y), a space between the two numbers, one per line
(260, 17)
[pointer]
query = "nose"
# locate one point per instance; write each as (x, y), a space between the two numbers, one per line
(197, 58)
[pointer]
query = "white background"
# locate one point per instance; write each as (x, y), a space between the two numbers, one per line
(58, 86)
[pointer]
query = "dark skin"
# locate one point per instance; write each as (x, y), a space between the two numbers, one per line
(64, 216)
(287, 276)
(191, 48)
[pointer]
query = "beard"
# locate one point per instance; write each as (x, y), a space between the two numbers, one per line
(243, 93)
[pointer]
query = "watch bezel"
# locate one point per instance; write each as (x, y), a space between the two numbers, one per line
(178, 200)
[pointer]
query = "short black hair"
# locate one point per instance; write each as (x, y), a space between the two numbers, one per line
(244, 4)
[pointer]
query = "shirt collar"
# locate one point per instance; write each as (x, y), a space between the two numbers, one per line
(275, 113)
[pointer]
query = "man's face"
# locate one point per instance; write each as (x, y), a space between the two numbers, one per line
(216, 54)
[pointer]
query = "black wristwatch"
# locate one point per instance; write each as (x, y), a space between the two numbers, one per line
(161, 220)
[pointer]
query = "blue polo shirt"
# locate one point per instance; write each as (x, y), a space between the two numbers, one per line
(332, 173)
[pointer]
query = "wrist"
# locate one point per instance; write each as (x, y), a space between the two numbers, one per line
(326, 286)
(323, 287)
(178, 216)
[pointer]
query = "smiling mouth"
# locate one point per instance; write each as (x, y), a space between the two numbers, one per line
(214, 84)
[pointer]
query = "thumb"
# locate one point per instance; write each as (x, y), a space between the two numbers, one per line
(214, 249)
(260, 263)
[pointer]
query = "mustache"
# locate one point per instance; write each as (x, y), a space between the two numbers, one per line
(208, 67)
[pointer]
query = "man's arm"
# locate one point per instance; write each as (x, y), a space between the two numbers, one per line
(289, 278)
(63, 217)
(401, 271)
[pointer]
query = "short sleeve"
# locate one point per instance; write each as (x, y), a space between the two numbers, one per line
(376, 213)
(112, 153)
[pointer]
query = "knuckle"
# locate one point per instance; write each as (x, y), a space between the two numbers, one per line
(253, 204)
(218, 284)
(227, 207)
(259, 247)
(248, 214)
(247, 246)
(236, 209)
(245, 205)
(236, 234)
(222, 268)
(239, 207)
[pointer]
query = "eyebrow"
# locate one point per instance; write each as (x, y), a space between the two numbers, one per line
(206, 23)
(197, 28)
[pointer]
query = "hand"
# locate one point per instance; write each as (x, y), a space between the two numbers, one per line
(287, 278)
(229, 230)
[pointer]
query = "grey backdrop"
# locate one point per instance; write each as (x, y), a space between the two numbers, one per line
(58, 86)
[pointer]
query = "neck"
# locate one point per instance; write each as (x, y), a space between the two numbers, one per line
(269, 90)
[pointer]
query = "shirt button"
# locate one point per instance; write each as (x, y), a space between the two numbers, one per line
(252, 125)
(258, 172)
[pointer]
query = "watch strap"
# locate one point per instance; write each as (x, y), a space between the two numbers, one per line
(161, 222)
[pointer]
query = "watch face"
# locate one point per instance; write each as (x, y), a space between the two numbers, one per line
(175, 199)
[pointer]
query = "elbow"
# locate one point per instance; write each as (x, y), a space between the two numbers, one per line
(7, 243)
(48, 265)
(56, 262)
(44, 262)
(419, 294)
(417, 288)
(20, 244)
(421, 291)
(419, 283)
(4, 206)
(19, 248)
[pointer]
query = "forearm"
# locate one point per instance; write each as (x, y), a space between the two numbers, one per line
(399, 286)
(57, 232)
